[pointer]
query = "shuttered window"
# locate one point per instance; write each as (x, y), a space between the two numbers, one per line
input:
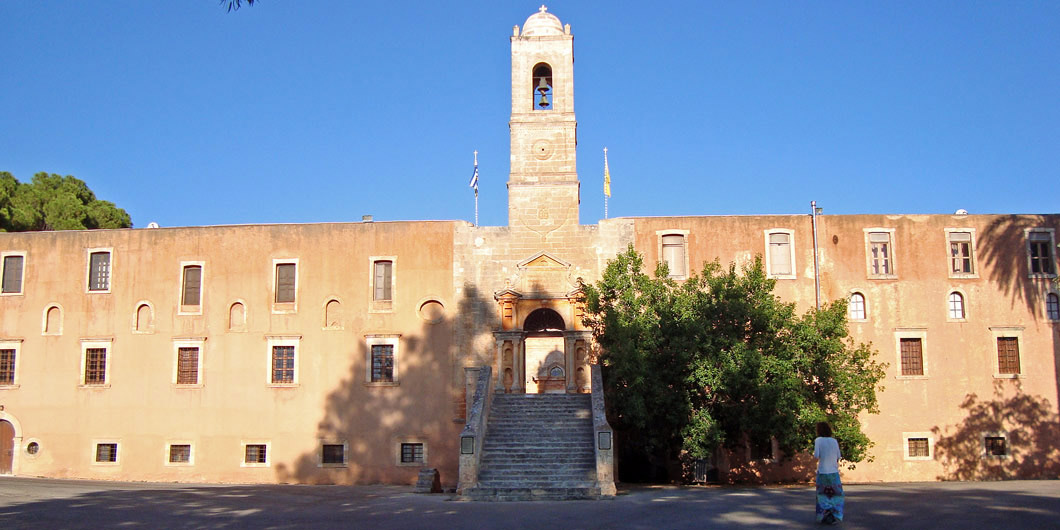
(780, 253)
(12, 282)
(286, 276)
(384, 280)
(912, 357)
(1008, 355)
(673, 253)
(961, 253)
(192, 285)
(187, 366)
(99, 271)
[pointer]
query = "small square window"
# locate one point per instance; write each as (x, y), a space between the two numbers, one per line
(411, 453)
(99, 271)
(107, 453)
(918, 448)
(255, 454)
(995, 446)
(12, 274)
(334, 454)
(180, 453)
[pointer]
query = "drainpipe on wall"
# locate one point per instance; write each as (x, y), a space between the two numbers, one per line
(816, 267)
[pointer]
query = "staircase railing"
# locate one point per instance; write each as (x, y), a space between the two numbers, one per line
(474, 433)
(604, 436)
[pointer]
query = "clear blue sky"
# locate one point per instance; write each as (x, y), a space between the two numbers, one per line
(306, 111)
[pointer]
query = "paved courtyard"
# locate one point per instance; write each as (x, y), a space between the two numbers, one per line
(46, 503)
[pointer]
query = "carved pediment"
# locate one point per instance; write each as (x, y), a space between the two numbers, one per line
(543, 260)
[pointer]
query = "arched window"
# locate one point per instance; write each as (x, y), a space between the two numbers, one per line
(1052, 306)
(333, 314)
(542, 87)
(956, 306)
(544, 320)
(856, 309)
(237, 317)
(53, 321)
(145, 318)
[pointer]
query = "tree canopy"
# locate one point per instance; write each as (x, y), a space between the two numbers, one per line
(719, 361)
(54, 202)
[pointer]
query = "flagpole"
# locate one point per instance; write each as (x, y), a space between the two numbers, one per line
(476, 188)
(607, 183)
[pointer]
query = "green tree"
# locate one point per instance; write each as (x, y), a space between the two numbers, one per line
(718, 360)
(54, 202)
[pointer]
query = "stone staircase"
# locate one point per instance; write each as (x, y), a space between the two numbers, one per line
(538, 447)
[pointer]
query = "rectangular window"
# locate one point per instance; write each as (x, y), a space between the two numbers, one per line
(283, 364)
(918, 448)
(192, 285)
(1008, 355)
(382, 363)
(1040, 253)
(961, 262)
(912, 356)
(255, 454)
(188, 366)
(107, 453)
(286, 282)
(780, 254)
(880, 254)
(995, 446)
(180, 454)
(12, 276)
(99, 271)
(333, 454)
(411, 453)
(95, 366)
(383, 281)
(7, 366)
(673, 253)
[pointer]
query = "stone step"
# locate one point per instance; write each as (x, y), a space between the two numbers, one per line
(532, 494)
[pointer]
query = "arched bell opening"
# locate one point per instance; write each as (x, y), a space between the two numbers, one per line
(542, 87)
(544, 322)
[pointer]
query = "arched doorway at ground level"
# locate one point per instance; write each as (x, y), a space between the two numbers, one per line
(7, 447)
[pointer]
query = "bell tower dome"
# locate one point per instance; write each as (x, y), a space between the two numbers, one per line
(543, 188)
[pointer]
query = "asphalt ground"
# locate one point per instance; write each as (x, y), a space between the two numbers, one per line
(52, 504)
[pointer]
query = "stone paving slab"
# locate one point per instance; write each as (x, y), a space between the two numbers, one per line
(49, 503)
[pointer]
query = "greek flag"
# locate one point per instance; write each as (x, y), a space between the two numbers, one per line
(474, 179)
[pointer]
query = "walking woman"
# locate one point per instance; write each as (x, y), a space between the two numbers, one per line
(829, 489)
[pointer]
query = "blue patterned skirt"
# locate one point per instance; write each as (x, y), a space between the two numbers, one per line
(829, 496)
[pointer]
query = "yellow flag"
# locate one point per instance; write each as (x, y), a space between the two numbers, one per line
(607, 177)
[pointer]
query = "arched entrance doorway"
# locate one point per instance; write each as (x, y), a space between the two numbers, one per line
(7, 447)
(546, 360)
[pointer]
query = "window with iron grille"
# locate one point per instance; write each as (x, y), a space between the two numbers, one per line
(180, 453)
(283, 364)
(255, 454)
(99, 271)
(333, 454)
(384, 280)
(411, 453)
(673, 253)
(912, 356)
(286, 278)
(780, 254)
(918, 448)
(1008, 355)
(192, 292)
(382, 363)
(956, 306)
(107, 452)
(1040, 252)
(857, 307)
(1052, 306)
(995, 445)
(188, 366)
(961, 253)
(12, 276)
(95, 366)
(880, 254)
(7, 367)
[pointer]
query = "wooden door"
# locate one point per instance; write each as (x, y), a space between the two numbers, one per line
(7, 446)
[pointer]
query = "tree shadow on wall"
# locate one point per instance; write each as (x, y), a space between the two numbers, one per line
(1002, 248)
(1029, 424)
(425, 404)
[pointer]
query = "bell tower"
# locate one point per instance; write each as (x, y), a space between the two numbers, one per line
(543, 188)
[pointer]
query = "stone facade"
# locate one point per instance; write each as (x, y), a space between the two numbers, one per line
(345, 353)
